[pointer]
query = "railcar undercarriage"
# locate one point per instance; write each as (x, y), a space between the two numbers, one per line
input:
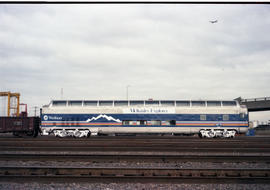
(203, 133)
(212, 133)
(68, 133)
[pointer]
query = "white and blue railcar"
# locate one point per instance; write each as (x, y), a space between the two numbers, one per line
(81, 118)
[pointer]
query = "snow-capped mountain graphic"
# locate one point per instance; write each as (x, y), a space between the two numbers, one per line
(109, 118)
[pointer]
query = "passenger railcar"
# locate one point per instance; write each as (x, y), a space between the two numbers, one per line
(81, 118)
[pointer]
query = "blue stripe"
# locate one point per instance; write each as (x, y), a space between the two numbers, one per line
(147, 117)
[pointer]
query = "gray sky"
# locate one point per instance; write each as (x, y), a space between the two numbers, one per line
(161, 51)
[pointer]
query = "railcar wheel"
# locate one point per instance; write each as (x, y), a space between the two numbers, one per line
(203, 133)
(63, 133)
(229, 133)
(211, 134)
(60, 133)
(77, 133)
(35, 134)
(16, 134)
(31, 134)
(233, 133)
(226, 134)
(55, 132)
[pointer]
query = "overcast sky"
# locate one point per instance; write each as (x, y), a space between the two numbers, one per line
(161, 51)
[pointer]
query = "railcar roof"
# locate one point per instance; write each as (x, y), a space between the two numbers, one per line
(167, 103)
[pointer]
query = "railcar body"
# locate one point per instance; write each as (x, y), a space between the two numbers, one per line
(20, 126)
(81, 118)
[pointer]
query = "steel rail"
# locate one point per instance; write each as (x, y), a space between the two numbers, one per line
(135, 144)
(156, 174)
(136, 138)
(236, 150)
(263, 143)
(134, 158)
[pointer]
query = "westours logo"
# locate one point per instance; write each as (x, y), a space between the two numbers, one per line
(45, 117)
(109, 118)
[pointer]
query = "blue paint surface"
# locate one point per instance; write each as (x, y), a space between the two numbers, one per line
(146, 117)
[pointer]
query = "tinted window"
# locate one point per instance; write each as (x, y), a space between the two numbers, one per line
(198, 103)
(90, 103)
(151, 103)
(120, 103)
(105, 103)
(229, 103)
(136, 103)
(225, 117)
(142, 122)
(155, 122)
(203, 117)
(75, 103)
(183, 103)
(172, 122)
(213, 103)
(59, 103)
(167, 103)
(125, 122)
(139, 122)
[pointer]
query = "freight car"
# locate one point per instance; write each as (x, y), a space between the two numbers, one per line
(81, 118)
(20, 126)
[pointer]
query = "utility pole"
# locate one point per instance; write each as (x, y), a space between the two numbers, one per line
(127, 90)
(62, 93)
(35, 110)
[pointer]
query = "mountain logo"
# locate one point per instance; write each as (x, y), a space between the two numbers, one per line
(109, 118)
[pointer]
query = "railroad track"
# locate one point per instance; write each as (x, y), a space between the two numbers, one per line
(165, 154)
(96, 158)
(139, 174)
(134, 142)
(137, 139)
(133, 151)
